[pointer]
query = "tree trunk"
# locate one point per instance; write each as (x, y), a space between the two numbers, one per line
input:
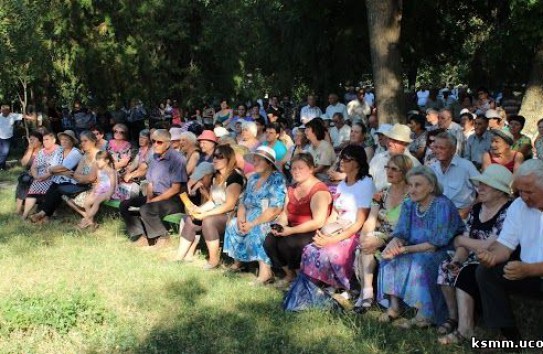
(384, 21)
(532, 103)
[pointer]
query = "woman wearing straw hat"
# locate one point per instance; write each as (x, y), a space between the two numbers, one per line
(260, 205)
(500, 151)
(457, 274)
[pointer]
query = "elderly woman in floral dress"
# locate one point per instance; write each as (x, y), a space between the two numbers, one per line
(427, 225)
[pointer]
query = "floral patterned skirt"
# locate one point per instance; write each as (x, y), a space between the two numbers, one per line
(333, 264)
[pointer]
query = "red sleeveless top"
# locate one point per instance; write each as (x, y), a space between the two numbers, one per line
(299, 211)
(510, 165)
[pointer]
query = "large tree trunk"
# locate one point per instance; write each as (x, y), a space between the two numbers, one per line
(384, 21)
(532, 103)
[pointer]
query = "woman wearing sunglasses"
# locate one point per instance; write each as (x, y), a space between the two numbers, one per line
(329, 259)
(220, 200)
(119, 147)
(377, 230)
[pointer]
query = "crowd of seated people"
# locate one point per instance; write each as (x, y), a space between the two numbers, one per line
(420, 215)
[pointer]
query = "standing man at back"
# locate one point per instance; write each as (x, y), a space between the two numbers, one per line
(7, 120)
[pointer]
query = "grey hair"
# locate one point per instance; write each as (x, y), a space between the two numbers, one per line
(430, 176)
(162, 133)
(251, 127)
(451, 139)
(190, 136)
(531, 167)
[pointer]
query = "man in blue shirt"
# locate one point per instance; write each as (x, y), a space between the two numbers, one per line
(167, 178)
(272, 140)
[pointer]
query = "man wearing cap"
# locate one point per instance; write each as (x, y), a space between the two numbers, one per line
(445, 121)
(310, 111)
(358, 110)
(454, 173)
(7, 120)
(167, 178)
(397, 141)
(478, 143)
(497, 276)
(467, 122)
(340, 133)
(335, 106)
(494, 119)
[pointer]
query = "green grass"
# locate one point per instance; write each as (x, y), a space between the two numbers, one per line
(66, 291)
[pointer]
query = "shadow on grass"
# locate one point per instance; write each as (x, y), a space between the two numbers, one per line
(259, 325)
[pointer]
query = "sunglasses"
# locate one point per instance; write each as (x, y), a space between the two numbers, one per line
(218, 156)
(119, 131)
(158, 142)
(347, 158)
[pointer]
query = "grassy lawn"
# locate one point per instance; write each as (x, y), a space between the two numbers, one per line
(66, 291)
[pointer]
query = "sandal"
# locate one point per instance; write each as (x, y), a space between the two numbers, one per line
(447, 327)
(388, 317)
(454, 337)
(413, 322)
(257, 282)
(209, 266)
(363, 305)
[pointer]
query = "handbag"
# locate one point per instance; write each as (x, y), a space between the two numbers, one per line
(335, 228)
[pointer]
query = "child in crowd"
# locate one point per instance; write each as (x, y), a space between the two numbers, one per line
(103, 189)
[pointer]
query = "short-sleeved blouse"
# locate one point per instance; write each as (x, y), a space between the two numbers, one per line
(299, 210)
(119, 149)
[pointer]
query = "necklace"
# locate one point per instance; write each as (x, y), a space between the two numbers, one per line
(422, 214)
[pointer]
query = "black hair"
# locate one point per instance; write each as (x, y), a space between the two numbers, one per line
(275, 126)
(419, 119)
(519, 119)
(318, 128)
(357, 153)
(37, 135)
(99, 129)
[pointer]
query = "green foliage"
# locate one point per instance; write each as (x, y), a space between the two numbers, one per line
(107, 51)
(58, 312)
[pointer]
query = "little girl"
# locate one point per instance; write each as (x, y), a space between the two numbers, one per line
(103, 189)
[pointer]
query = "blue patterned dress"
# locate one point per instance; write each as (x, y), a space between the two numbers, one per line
(250, 247)
(412, 277)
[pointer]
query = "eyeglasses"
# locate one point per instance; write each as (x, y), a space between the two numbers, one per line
(218, 156)
(118, 131)
(392, 168)
(347, 158)
(158, 142)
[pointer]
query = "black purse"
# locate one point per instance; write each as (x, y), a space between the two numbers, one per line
(25, 178)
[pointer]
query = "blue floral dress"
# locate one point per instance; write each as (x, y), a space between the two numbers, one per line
(412, 277)
(250, 247)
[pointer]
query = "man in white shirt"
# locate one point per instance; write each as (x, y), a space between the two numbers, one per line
(340, 133)
(358, 110)
(7, 120)
(454, 173)
(335, 106)
(310, 111)
(397, 141)
(497, 275)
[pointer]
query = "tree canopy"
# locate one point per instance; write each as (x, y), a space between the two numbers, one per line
(105, 51)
